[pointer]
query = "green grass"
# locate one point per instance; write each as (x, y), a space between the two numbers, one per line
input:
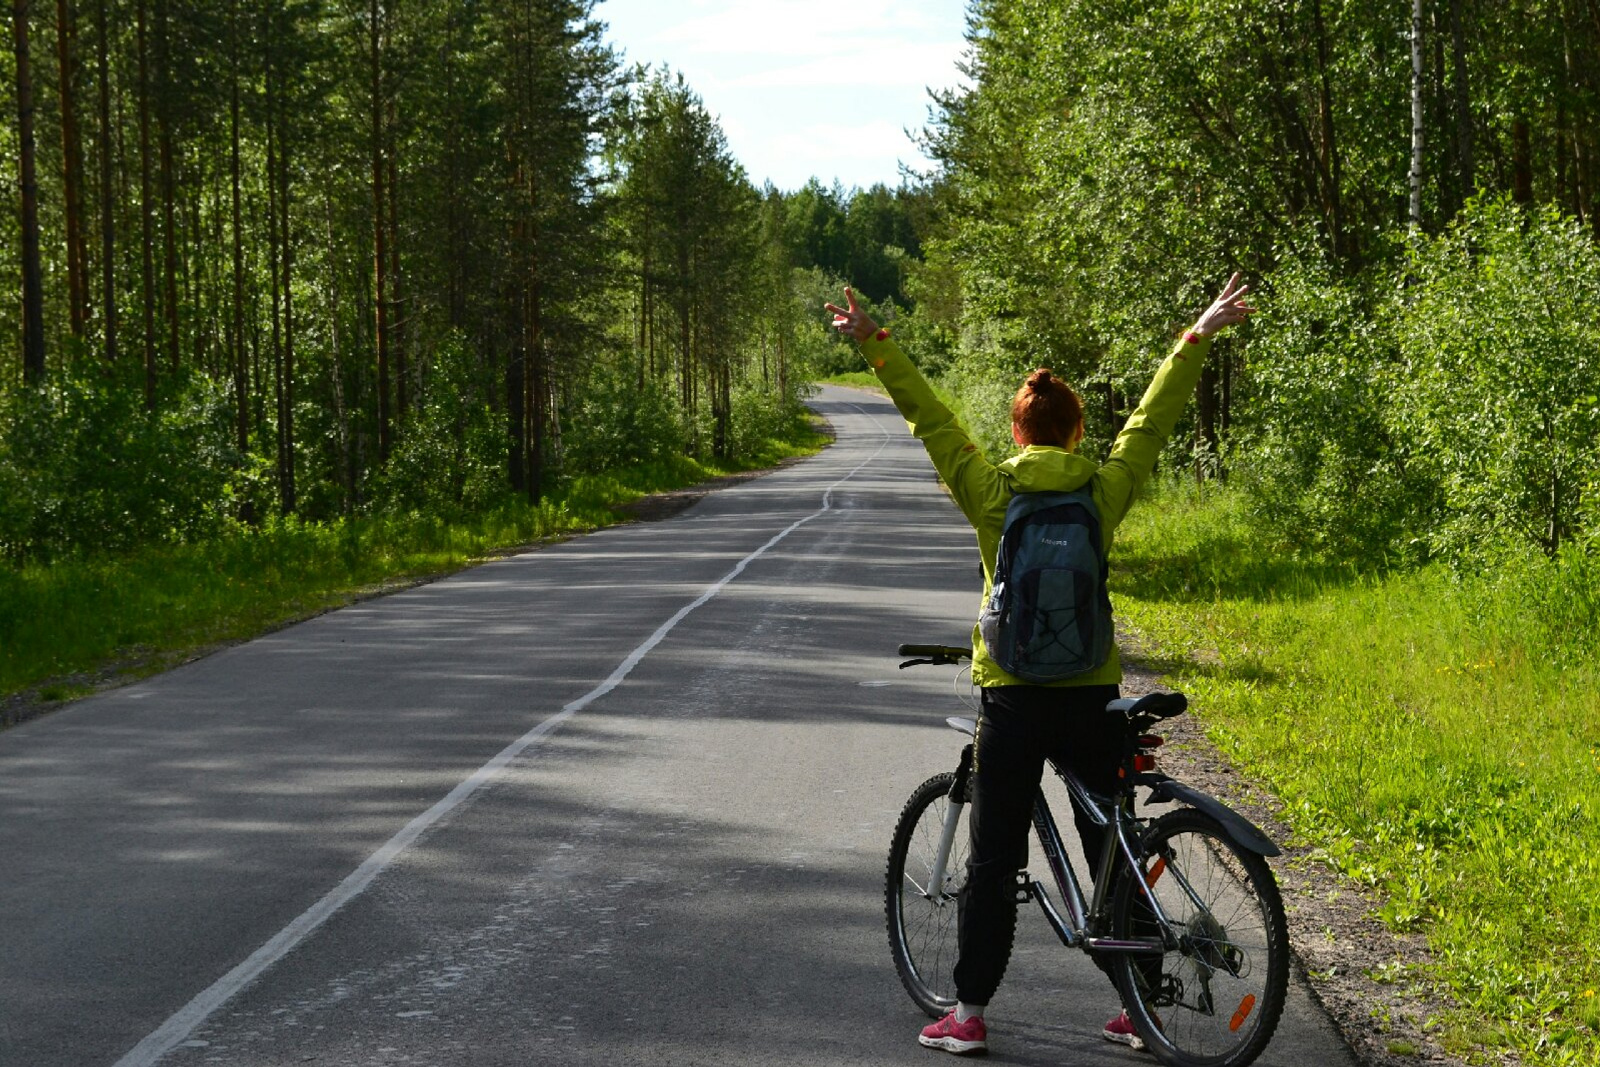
(859, 378)
(1435, 737)
(134, 614)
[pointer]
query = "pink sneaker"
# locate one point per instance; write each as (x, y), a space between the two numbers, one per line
(964, 1039)
(1121, 1031)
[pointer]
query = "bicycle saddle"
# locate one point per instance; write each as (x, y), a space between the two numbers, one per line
(1156, 705)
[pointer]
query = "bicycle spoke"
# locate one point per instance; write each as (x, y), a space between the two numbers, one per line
(1215, 996)
(921, 915)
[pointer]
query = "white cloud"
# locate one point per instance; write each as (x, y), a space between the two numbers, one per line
(791, 27)
(879, 67)
(804, 87)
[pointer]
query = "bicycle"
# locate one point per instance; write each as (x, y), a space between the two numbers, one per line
(1184, 906)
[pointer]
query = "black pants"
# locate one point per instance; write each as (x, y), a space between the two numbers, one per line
(1020, 728)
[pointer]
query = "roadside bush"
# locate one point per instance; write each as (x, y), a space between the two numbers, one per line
(761, 415)
(1501, 386)
(1326, 470)
(83, 467)
(449, 457)
(615, 423)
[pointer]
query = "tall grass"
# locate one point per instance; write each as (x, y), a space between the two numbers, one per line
(138, 611)
(1435, 735)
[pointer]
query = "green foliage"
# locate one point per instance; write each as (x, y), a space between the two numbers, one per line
(1431, 734)
(763, 419)
(1446, 405)
(449, 458)
(84, 468)
(1502, 374)
(618, 423)
(810, 344)
(866, 235)
(1330, 471)
(1401, 394)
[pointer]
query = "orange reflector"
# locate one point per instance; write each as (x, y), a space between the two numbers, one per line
(1245, 1007)
(1153, 875)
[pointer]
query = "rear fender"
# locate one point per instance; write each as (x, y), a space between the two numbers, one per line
(1244, 832)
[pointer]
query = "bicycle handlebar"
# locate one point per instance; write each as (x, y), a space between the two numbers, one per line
(933, 654)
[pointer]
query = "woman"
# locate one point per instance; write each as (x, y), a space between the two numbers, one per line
(1021, 724)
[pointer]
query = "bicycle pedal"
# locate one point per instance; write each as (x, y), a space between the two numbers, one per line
(1024, 888)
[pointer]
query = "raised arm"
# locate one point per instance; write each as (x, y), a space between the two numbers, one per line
(973, 482)
(1134, 454)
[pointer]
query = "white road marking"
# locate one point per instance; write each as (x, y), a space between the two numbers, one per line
(176, 1030)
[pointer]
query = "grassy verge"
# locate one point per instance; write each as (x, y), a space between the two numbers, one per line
(860, 379)
(67, 626)
(1435, 736)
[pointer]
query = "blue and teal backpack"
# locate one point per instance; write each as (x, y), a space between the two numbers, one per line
(1048, 617)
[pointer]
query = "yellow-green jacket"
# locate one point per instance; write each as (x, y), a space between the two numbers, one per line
(982, 489)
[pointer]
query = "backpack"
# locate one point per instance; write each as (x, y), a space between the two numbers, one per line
(1048, 617)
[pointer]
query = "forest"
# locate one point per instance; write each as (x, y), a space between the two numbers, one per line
(1413, 192)
(301, 279)
(327, 259)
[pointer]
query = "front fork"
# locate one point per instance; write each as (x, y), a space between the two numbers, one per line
(952, 818)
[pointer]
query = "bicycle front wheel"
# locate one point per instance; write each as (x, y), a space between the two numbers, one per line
(1213, 998)
(921, 917)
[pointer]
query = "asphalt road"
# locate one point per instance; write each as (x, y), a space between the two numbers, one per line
(536, 813)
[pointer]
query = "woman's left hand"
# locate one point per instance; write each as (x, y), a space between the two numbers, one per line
(1225, 310)
(852, 321)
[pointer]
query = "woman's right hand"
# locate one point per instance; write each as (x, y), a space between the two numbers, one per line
(1225, 310)
(852, 321)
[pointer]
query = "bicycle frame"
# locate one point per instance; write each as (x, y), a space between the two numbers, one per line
(1078, 928)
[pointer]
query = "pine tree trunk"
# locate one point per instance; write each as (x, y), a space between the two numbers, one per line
(1225, 372)
(1414, 212)
(341, 412)
(1521, 161)
(169, 233)
(108, 278)
(398, 322)
(516, 403)
(32, 277)
(286, 415)
(1465, 163)
(72, 167)
(241, 385)
(455, 285)
(1332, 171)
(282, 256)
(196, 275)
(147, 264)
(1581, 136)
(1206, 421)
(380, 255)
(537, 380)
(783, 367)
(275, 253)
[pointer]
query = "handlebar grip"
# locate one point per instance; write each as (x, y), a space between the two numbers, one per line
(941, 653)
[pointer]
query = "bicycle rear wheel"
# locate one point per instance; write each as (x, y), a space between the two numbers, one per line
(921, 919)
(1212, 1000)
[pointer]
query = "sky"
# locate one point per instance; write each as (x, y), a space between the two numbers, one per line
(804, 88)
